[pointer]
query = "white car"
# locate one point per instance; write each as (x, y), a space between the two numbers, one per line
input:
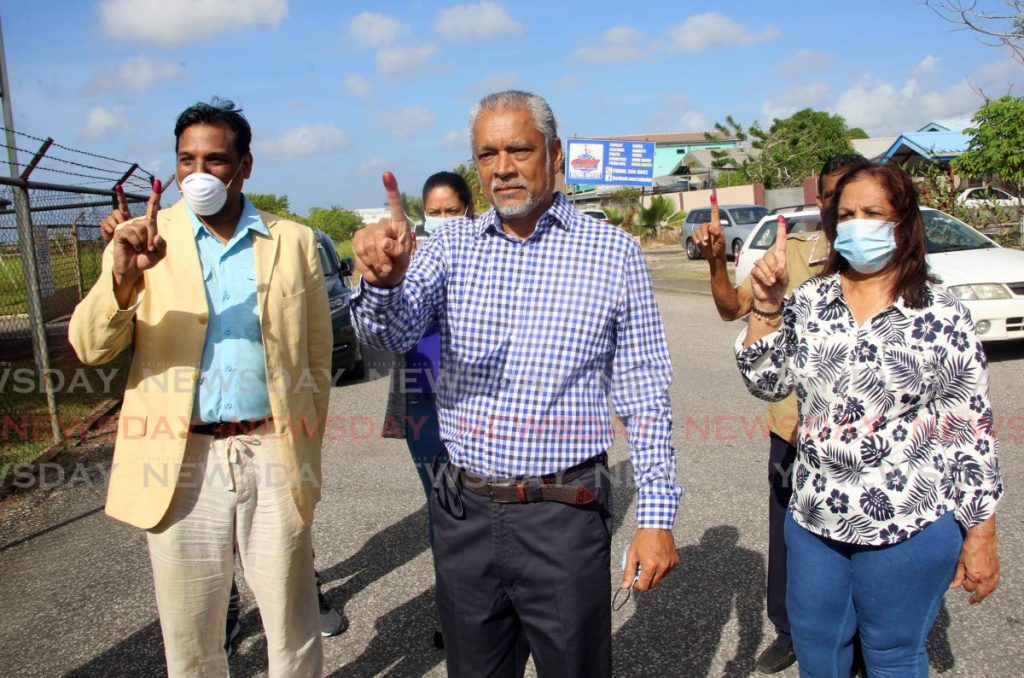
(987, 196)
(987, 278)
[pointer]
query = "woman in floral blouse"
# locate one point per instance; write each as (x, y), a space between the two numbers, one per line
(897, 477)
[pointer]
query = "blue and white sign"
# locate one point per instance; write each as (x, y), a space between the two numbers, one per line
(604, 161)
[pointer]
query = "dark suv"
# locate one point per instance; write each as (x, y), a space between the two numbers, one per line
(346, 355)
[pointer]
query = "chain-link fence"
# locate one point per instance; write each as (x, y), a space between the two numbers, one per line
(47, 396)
(68, 246)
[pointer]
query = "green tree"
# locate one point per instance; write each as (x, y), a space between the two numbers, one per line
(996, 148)
(413, 207)
(786, 153)
(268, 202)
(614, 214)
(660, 211)
(338, 223)
(468, 171)
(856, 133)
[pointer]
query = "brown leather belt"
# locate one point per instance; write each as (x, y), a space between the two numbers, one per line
(550, 487)
(226, 429)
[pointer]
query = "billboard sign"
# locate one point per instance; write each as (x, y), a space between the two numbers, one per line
(607, 161)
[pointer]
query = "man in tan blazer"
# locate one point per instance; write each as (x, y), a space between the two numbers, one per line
(223, 415)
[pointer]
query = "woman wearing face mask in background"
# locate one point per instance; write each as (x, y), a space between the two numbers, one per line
(896, 478)
(411, 410)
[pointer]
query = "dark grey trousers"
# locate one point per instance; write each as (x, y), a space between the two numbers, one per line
(521, 579)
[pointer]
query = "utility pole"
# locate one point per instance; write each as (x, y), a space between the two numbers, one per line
(28, 247)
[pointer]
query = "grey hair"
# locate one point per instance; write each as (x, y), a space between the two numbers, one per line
(543, 117)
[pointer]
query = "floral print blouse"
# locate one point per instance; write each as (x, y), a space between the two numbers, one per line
(896, 427)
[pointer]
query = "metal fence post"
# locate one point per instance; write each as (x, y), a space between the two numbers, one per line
(77, 250)
(28, 256)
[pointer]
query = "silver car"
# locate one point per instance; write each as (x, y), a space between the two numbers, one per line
(738, 222)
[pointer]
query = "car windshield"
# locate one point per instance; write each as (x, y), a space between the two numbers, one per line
(325, 261)
(748, 215)
(765, 237)
(947, 234)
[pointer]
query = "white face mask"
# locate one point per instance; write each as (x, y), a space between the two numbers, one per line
(431, 224)
(204, 193)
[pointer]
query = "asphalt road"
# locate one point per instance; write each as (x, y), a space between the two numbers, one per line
(76, 596)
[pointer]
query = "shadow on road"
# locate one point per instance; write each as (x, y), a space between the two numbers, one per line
(385, 551)
(402, 645)
(678, 627)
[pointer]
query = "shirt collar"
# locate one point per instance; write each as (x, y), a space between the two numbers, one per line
(249, 221)
(560, 214)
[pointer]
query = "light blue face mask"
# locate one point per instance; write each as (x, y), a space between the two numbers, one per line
(431, 224)
(867, 244)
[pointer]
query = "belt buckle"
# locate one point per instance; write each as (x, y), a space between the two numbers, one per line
(520, 493)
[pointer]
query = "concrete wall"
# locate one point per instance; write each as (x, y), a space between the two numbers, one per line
(783, 197)
(751, 194)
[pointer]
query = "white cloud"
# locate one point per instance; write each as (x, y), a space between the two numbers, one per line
(803, 62)
(404, 59)
(701, 32)
(375, 30)
(884, 108)
(475, 22)
(139, 73)
(180, 22)
(102, 122)
(372, 166)
(793, 99)
(307, 140)
(926, 67)
(693, 121)
(619, 44)
(497, 82)
(404, 123)
(357, 86)
(456, 138)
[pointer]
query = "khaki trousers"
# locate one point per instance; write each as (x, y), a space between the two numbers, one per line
(234, 490)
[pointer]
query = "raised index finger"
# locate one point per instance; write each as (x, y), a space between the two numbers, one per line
(152, 207)
(780, 236)
(398, 220)
(716, 222)
(122, 202)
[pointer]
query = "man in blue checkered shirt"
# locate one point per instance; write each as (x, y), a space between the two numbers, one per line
(544, 314)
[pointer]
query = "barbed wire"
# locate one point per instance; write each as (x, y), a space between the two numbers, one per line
(73, 150)
(118, 173)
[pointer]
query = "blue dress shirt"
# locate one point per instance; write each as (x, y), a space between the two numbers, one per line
(233, 373)
(535, 335)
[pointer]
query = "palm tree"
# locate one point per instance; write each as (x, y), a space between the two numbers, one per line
(658, 212)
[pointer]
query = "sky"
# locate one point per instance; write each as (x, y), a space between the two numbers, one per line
(337, 92)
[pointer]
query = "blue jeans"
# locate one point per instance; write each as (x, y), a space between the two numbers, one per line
(890, 594)
(423, 436)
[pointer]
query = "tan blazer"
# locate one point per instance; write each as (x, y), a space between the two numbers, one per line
(167, 326)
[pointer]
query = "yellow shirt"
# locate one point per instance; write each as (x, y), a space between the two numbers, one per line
(805, 258)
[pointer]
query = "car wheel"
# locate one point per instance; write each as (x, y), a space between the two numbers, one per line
(737, 245)
(692, 251)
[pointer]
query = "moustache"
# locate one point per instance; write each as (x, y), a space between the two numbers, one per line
(496, 185)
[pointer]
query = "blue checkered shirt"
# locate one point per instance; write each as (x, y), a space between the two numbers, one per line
(535, 335)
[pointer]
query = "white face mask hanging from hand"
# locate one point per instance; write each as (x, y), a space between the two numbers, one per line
(204, 193)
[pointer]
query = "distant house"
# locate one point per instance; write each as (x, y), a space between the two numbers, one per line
(937, 142)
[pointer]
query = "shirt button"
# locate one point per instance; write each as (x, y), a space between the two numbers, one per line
(228, 368)
(183, 434)
(227, 332)
(202, 318)
(226, 296)
(228, 406)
